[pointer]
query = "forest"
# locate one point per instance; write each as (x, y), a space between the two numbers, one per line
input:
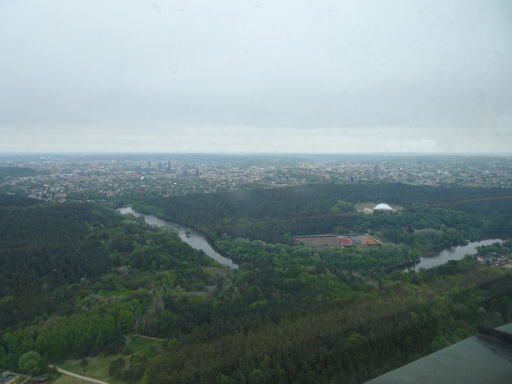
(19, 171)
(274, 214)
(77, 279)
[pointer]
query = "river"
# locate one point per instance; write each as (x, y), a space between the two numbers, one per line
(453, 253)
(194, 238)
(197, 241)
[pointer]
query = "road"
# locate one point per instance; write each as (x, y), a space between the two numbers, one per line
(90, 379)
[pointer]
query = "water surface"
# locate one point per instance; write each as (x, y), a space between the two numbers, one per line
(193, 238)
(453, 253)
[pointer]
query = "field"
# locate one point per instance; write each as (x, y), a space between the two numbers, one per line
(65, 379)
(98, 366)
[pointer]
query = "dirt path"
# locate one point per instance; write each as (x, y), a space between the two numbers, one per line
(90, 379)
(148, 337)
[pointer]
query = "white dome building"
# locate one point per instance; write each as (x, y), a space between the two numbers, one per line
(383, 207)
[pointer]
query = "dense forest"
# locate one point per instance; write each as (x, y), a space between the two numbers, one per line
(60, 264)
(19, 171)
(274, 214)
(47, 245)
(350, 343)
(77, 278)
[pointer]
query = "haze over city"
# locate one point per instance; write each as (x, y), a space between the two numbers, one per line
(256, 192)
(260, 76)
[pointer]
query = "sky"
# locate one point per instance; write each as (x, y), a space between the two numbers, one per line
(268, 76)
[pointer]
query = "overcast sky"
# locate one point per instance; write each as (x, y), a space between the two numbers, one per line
(256, 76)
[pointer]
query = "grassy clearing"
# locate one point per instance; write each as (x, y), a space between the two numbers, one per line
(65, 379)
(140, 344)
(97, 367)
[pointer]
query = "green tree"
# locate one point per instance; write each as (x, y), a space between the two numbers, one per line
(342, 207)
(116, 368)
(31, 363)
(84, 363)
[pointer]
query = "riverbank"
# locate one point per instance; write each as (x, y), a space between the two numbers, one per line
(452, 253)
(189, 235)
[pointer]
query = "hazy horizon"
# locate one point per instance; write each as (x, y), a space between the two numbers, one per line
(335, 77)
(239, 153)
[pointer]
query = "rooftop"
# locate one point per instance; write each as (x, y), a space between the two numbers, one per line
(478, 359)
(383, 207)
(7, 377)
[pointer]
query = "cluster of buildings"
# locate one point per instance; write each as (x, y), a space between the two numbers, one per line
(371, 208)
(498, 254)
(495, 259)
(435, 170)
(14, 378)
(89, 177)
(336, 241)
(8, 378)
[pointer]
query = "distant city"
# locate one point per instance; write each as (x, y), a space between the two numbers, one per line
(81, 177)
